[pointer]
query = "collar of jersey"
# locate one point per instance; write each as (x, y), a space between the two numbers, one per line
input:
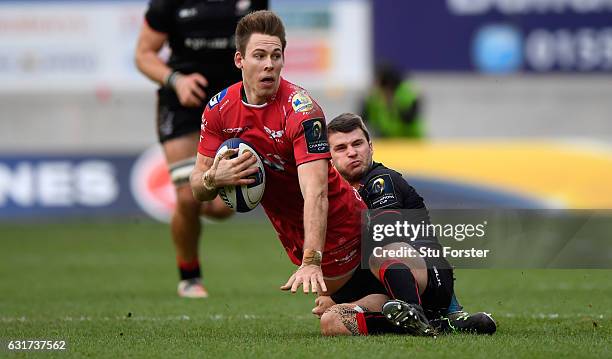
(365, 176)
(244, 99)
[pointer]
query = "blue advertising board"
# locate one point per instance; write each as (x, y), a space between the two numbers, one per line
(61, 186)
(494, 36)
(65, 186)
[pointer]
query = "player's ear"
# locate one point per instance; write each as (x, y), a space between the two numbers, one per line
(238, 60)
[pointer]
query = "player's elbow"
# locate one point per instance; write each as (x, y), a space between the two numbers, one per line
(317, 195)
(138, 55)
(140, 58)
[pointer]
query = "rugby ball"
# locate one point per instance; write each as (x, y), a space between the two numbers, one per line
(247, 197)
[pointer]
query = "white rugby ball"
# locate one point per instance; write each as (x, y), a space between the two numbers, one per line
(247, 197)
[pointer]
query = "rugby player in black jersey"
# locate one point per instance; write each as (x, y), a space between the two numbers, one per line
(200, 35)
(411, 295)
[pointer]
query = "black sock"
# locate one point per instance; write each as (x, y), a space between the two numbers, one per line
(399, 282)
(374, 323)
(189, 270)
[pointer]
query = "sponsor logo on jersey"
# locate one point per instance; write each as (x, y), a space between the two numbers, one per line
(347, 258)
(315, 133)
(274, 135)
(234, 131)
(301, 102)
(204, 124)
(381, 192)
(216, 99)
(185, 13)
(274, 162)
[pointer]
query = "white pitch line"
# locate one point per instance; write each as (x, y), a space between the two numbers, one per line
(217, 317)
(549, 315)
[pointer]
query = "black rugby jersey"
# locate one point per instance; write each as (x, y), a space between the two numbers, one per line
(201, 33)
(383, 187)
(385, 192)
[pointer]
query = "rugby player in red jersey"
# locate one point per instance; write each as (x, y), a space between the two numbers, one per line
(314, 211)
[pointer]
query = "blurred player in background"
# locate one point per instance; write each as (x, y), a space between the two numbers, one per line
(385, 190)
(393, 106)
(200, 36)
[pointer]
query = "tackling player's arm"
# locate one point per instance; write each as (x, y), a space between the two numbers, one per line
(313, 184)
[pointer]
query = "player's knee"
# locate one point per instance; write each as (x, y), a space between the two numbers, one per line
(374, 264)
(185, 201)
(331, 324)
(334, 321)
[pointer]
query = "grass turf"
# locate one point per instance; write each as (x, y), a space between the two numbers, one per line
(108, 289)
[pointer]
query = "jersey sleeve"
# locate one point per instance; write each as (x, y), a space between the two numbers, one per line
(390, 190)
(307, 129)
(159, 15)
(210, 132)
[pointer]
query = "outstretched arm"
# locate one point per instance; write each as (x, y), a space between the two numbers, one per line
(313, 184)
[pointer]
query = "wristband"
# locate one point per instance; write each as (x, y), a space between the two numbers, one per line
(170, 80)
(208, 182)
(312, 257)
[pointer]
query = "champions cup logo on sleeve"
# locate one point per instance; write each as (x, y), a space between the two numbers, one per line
(316, 130)
(315, 133)
(381, 192)
(378, 186)
(301, 102)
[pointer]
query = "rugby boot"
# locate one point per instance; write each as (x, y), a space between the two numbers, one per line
(408, 316)
(477, 323)
(192, 288)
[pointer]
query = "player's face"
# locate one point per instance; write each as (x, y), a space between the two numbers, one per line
(261, 66)
(351, 154)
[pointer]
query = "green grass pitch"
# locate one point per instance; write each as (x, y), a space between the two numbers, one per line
(108, 289)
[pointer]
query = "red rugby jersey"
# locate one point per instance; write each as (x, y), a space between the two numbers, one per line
(286, 132)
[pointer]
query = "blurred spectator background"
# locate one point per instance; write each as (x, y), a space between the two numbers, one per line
(516, 112)
(392, 108)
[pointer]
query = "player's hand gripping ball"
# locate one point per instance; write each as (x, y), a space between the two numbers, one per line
(246, 197)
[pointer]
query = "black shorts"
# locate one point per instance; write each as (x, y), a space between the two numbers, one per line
(361, 284)
(175, 120)
(435, 299)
